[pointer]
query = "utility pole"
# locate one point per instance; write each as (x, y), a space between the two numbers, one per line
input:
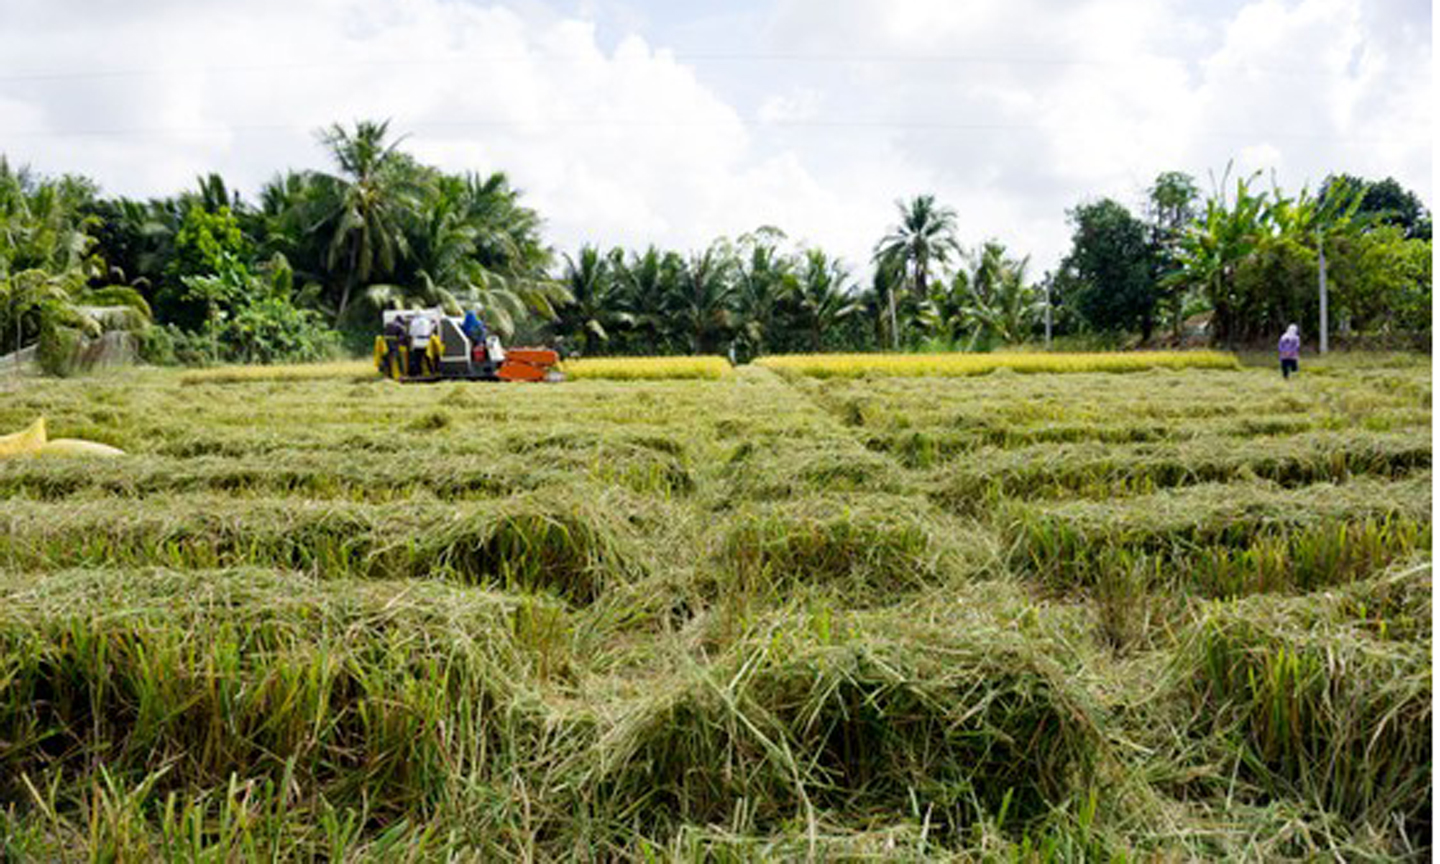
(1324, 298)
(894, 331)
(15, 313)
(1047, 314)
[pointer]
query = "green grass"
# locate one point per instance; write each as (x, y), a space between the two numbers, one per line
(1326, 698)
(1100, 471)
(1226, 539)
(1166, 615)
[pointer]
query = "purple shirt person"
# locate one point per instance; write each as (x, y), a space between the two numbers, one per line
(1290, 351)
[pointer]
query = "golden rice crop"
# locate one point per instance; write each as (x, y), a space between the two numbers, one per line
(958, 365)
(293, 372)
(647, 368)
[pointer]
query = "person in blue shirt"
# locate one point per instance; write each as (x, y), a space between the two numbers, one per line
(474, 328)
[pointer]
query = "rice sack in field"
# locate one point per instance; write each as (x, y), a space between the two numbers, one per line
(77, 447)
(27, 440)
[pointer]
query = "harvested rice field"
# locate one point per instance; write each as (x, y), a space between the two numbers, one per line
(1032, 614)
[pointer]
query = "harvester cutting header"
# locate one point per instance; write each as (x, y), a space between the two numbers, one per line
(428, 345)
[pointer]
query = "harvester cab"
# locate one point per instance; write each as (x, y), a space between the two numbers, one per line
(420, 345)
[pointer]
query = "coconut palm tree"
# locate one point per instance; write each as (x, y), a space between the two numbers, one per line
(594, 309)
(364, 205)
(924, 239)
(647, 284)
(763, 281)
(46, 258)
(823, 294)
(704, 293)
(460, 258)
(879, 304)
(994, 300)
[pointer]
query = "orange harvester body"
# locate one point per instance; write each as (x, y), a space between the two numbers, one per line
(527, 364)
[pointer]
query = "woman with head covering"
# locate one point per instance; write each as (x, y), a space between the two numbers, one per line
(1290, 351)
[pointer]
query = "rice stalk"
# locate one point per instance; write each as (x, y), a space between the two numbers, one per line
(943, 365)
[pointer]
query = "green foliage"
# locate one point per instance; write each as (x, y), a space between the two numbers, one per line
(117, 295)
(1383, 282)
(206, 273)
(247, 318)
(1170, 210)
(594, 311)
(1327, 698)
(58, 349)
(992, 300)
(1112, 283)
(384, 231)
(1385, 202)
(272, 330)
(924, 239)
(1251, 258)
(46, 256)
(1274, 286)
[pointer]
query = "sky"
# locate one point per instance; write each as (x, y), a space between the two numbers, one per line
(631, 122)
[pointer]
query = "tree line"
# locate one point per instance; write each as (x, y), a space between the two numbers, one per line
(206, 276)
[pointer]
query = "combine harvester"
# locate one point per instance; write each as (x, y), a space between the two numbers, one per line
(448, 354)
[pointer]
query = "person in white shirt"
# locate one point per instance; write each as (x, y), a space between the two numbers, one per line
(420, 329)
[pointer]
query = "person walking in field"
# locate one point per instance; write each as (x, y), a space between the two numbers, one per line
(1290, 351)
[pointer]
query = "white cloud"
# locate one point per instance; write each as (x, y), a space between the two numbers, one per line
(798, 104)
(825, 113)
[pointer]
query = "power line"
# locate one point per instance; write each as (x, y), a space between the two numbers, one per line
(682, 57)
(846, 124)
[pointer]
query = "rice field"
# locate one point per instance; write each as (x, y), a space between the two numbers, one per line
(646, 368)
(656, 613)
(952, 365)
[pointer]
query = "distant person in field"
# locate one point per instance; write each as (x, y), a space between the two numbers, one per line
(1290, 351)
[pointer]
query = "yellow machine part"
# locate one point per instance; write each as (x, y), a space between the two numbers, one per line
(434, 350)
(389, 363)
